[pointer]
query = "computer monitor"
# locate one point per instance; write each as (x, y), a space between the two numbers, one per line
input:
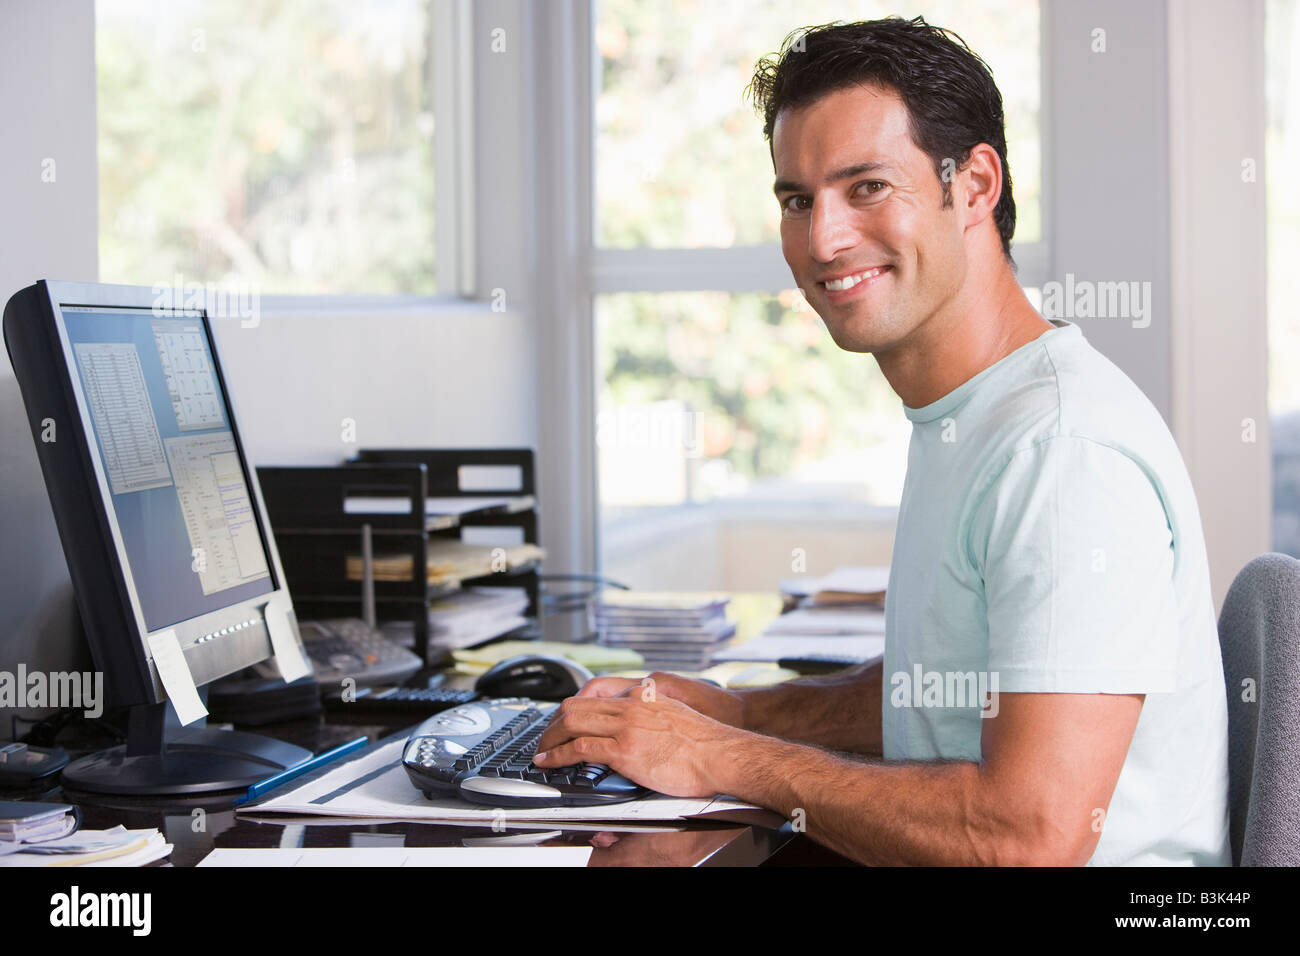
(161, 519)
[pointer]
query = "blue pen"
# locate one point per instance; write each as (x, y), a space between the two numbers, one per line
(284, 776)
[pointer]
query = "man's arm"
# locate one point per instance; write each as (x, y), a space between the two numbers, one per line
(1038, 796)
(839, 711)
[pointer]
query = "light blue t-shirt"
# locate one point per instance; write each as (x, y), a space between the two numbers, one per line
(1049, 541)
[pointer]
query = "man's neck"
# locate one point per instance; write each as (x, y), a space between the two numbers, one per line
(973, 331)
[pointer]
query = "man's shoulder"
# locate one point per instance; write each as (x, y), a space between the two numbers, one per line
(1071, 392)
(1074, 420)
(1098, 400)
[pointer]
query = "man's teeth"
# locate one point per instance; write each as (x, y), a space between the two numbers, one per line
(848, 282)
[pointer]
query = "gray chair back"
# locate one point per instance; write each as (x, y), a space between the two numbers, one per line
(1259, 633)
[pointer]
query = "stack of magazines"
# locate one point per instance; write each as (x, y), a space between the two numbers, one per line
(670, 631)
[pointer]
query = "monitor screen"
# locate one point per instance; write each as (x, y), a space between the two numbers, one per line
(178, 486)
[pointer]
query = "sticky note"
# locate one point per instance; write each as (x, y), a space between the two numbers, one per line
(283, 628)
(176, 677)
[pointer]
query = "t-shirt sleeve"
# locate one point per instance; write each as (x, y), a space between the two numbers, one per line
(1076, 554)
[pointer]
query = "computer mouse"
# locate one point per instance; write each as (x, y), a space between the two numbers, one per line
(532, 675)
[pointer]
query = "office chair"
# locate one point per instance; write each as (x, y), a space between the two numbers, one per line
(1259, 633)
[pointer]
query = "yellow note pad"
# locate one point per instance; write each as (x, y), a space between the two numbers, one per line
(595, 657)
(176, 677)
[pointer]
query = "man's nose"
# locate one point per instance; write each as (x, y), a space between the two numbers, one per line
(831, 229)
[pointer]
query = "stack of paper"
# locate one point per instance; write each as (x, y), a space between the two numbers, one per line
(840, 618)
(670, 631)
(829, 620)
(116, 847)
(449, 562)
(30, 822)
(475, 615)
(856, 648)
(846, 585)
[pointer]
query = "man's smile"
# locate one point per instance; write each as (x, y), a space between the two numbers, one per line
(850, 285)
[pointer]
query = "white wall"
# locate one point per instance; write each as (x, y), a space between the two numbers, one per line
(47, 230)
(1218, 247)
(1106, 171)
(446, 376)
(1143, 175)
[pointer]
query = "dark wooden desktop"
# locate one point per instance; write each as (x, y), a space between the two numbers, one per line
(193, 835)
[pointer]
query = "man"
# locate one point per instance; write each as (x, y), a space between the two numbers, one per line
(1048, 538)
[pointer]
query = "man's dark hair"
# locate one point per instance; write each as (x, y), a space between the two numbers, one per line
(952, 102)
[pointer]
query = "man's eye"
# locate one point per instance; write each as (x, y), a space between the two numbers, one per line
(872, 186)
(796, 204)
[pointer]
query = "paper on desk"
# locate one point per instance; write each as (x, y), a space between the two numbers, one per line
(870, 580)
(847, 580)
(594, 826)
(774, 647)
(118, 847)
(376, 786)
(829, 620)
(401, 856)
(175, 676)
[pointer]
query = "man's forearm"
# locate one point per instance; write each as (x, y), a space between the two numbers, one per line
(838, 711)
(891, 813)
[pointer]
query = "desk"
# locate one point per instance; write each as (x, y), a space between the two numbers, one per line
(699, 844)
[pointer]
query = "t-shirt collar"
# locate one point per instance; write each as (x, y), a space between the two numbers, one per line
(945, 406)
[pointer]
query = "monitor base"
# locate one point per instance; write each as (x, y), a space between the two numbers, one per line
(196, 761)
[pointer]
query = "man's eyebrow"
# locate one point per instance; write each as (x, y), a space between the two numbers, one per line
(846, 172)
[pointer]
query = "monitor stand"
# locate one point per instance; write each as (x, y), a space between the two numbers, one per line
(201, 760)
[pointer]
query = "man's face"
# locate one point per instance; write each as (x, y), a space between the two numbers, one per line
(856, 194)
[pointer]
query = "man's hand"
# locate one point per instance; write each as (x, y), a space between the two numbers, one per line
(701, 696)
(652, 739)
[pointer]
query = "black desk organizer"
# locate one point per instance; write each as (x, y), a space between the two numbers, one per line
(315, 534)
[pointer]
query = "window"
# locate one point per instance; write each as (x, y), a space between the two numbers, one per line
(284, 144)
(729, 425)
(1282, 143)
(680, 157)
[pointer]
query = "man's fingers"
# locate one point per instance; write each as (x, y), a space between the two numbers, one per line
(579, 750)
(605, 687)
(602, 720)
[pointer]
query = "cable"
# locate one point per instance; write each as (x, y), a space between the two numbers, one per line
(571, 601)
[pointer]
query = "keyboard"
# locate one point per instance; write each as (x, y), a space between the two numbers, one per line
(406, 700)
(482, 752)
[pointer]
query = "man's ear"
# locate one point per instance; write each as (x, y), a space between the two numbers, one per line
(980, 185)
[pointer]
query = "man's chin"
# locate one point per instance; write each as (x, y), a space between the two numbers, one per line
(850, 334)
